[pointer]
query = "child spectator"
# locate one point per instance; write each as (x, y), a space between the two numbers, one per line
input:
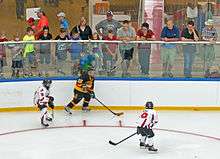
(63, 21)
(45, 51)
(109, 53)
(61, 51)
(2, 53)
(29, 52)
(76, 49)
(31, 22)
(17, 60)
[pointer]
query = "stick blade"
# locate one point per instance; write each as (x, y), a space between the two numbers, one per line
(112, 143)
(119, 114)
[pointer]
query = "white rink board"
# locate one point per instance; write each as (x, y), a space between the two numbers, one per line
(119, 93)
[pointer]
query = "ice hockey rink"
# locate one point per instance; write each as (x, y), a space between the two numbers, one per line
(178, 135)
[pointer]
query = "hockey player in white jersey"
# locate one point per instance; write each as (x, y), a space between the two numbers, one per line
(43, 99)
(147, 120)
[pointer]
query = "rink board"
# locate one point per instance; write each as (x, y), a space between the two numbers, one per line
(119, 94)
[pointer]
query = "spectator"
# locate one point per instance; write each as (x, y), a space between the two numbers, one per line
(214, 72)
(45, 51)
(2, 53)
(29, 52)
(31, 22)
(96, 51)
(109, 53)
(169, 33)
(61, 51)
(63, 21)
(76, 49)
(210, 34)
(144, 50)
(20, 9)
(192, 11)
(83, 29)
(189, 50)
(108, 24)
(17, 60)
(126, 34)
(43, 21)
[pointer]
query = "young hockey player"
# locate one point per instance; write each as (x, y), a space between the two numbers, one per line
(43, 99)
(148, 119)
(83, 89)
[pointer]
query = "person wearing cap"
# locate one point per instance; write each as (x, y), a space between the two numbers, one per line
(209, 33)
(43, 21)
(144, 50)
(108, 24)
(30, 22)
(63, 21)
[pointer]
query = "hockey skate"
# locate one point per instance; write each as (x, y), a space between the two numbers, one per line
(143, 145)
(86, 109)
(68, 110)
(42, 122)
(151, 148)
(49, 118)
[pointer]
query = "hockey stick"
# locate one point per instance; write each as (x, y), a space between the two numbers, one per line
(52, 114)
(118, 114)
(116, 143)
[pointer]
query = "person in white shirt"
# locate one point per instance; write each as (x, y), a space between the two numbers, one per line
(147, 120)
(42, 100)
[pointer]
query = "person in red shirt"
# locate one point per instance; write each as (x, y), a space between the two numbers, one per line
(144, 49)
(43, 21)
(109, 53)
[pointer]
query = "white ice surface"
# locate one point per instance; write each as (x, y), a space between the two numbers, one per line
(92, 142)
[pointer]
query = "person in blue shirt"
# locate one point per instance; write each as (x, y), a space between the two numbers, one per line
(63, 21)
(169, 33)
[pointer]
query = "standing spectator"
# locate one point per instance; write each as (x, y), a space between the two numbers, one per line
(126, 34)
(63, 21)
(169, 33)
(20, 9)
(192, 11)
(83, 29)
(189, 50)
(144, 50)
(2, 53)
(29, 52)
(43, 21)
(17, 60)
(45, 51)
(210, 34)
(109, 53)
(31, 22)
(75, 50)
(108, 24)
(61, 51)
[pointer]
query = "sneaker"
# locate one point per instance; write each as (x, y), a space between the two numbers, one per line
(68, 110)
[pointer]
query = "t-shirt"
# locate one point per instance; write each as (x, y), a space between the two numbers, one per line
(43, 21)
(45, 47)
(64, 24)
(186, 34)
(29, 48)
(107, 25)
(85, 34)
(149, 34)
(170, 33)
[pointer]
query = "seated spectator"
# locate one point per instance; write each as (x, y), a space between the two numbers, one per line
(63, 21)
(75, 50)
(61, 51)
(29, 53)
(144, 50)
(110, 53)
(2, 53)
(45, 52)
(17, 59)
(189, 50)
(168, 52)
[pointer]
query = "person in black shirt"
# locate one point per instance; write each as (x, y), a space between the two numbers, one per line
(189, 50)
(61, 51)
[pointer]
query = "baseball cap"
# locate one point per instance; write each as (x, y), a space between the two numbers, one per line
(109, 13)
(30, 20)
(61, 14)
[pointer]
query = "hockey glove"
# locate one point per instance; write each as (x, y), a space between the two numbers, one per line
(92, 94)
(50, 103)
